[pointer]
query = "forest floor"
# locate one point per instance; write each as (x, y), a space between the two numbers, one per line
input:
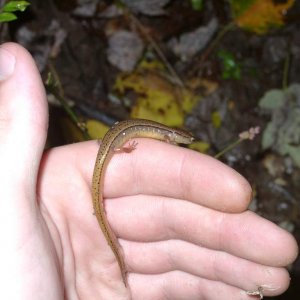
(236, 79)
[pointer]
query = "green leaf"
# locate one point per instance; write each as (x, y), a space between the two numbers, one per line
(7, 17)
(238, 7)
(13, 6)
(294, 153)
(197, 4)
(231, 68)
(273, 99)
(269, 136)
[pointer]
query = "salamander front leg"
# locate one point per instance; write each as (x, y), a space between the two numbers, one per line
(127, 149)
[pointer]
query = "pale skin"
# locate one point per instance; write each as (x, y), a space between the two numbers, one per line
(181, 217)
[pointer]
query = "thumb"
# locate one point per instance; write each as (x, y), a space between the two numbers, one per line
(23, 119)
(23, 127)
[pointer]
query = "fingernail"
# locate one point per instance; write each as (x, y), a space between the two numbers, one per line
(7, 64)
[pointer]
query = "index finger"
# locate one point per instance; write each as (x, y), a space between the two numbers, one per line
(158, 168)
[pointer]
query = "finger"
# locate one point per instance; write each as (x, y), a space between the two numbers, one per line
(168, 256)
(157, 218)
(246, 235)
(23, 120)
(23, 115)
(181, 286)
(158, 168)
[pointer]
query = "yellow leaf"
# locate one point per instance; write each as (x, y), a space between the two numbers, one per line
(96, 129)
(189, 100)
(156, 98)
(151, 65)
(200, 146)
(206, 86)
(216, 119)
(158, 107)
(69, 131)
(262, 15)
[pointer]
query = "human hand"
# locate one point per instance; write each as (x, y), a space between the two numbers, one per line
(181, 216)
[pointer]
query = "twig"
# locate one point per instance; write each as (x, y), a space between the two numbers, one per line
(286, 68)
(249, 134)
(213, 44)
(156, 48)
(53, 86)
(228, 148)
(216, 41)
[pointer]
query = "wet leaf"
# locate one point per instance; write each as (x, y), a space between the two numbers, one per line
(13, 6)
(192, 42)
(294, 153)
(259, 15)
(147, 7)
(85, 9)
(272, 99)
(156, 98)
(282, 133)
(7, 17)
(125, 49)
